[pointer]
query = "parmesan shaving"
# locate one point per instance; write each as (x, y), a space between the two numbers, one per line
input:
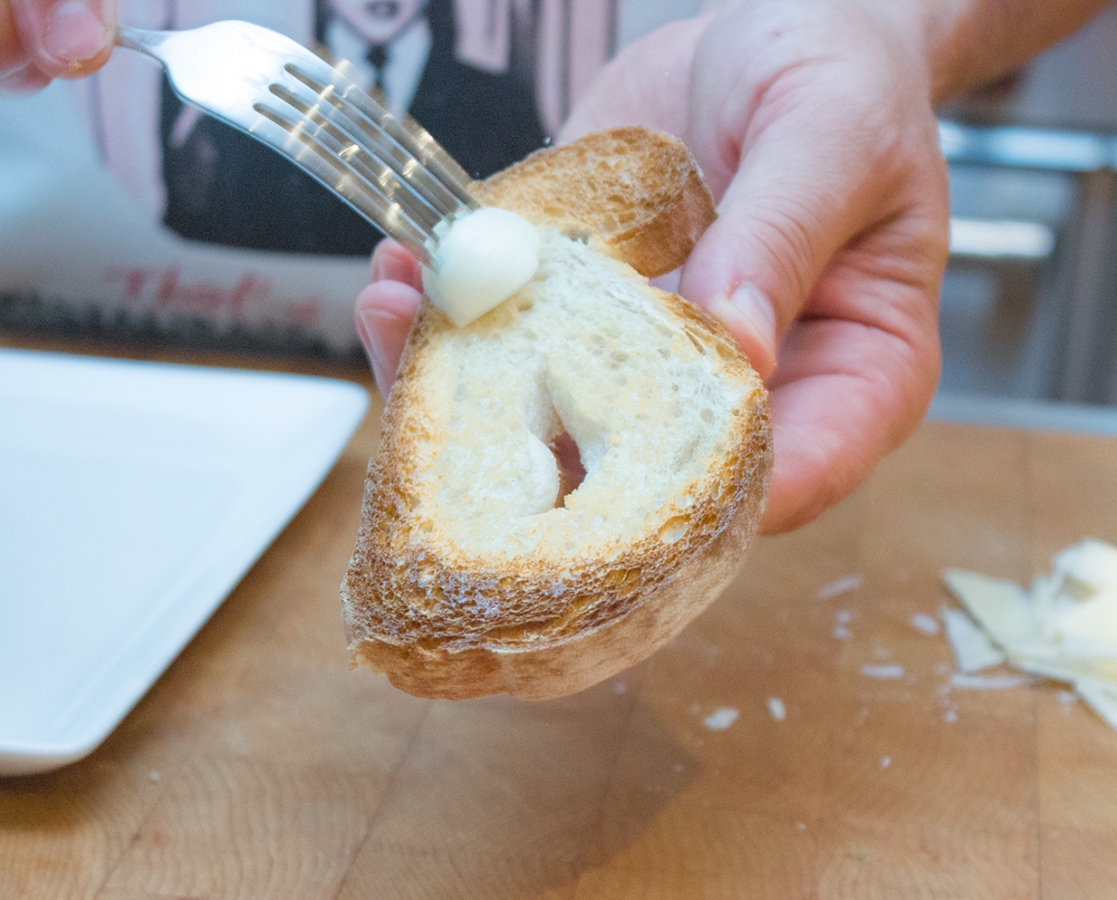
(988, 682)
(1101, 695)
(1064, 628)
(973, 651)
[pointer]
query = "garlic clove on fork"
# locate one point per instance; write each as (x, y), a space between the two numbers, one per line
(480, 259)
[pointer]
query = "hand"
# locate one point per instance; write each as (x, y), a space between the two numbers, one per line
(813, 125)
(45, 39)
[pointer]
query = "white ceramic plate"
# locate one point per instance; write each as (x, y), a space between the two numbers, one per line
(133, 497)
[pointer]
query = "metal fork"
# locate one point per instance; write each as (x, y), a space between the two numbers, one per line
(387, 168)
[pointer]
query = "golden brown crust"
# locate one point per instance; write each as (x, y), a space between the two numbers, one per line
(442, 623)
(603, 618)
(637, 193)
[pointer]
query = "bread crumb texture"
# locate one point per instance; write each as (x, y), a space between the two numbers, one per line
(468, 539)
(486, 560)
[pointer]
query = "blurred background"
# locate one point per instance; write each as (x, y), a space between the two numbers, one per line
(1028, 301)
(88, 171)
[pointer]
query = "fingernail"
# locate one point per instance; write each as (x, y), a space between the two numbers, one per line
(73, 32)
(751, 318)
(758, 309)
(370, 333)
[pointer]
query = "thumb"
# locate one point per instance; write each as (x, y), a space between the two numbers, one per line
(788, 199)
(65, 38)
(779, 224)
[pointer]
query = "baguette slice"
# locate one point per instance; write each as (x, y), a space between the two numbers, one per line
(482, 565)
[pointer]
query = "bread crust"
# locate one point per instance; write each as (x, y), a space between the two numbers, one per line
(648, 212)
(443, 623)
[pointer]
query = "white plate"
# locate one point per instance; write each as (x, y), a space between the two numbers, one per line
(133, 497)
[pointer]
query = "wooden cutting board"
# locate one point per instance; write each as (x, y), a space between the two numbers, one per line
(260, 766)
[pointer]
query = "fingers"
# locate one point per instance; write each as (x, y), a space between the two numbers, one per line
(850, 304)
(844, 398)
(748, 315)
(391, 261)
(818, 137)
(23, 80)
(44, 39)
(386, 308)
(776, 231)
(785, 212)
(13, 55)
(806, 141)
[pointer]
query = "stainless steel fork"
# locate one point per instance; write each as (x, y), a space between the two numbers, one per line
(387, 168)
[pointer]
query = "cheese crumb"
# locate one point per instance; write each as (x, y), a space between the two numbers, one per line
(721, 718)
(839, 586)
(989, 682)
(884, 672)
(925, 623)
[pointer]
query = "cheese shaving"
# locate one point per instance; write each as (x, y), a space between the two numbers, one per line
(1101, 695)
(973, 651)
(988, 682)
(1063, 628)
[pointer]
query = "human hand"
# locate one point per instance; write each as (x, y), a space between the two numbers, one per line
(45, 39)
(813, 125)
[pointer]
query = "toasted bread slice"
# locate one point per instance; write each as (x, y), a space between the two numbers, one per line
(482, 564)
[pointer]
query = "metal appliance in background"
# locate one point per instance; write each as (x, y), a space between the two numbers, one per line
(1029, 302)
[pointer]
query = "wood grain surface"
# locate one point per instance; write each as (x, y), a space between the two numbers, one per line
(260, 766)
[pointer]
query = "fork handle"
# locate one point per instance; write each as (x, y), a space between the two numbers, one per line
(143, 39)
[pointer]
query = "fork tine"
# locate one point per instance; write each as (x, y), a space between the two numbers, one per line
(407, 138)
(305, 147)
(390, 171)
(405, 165)
(398, 174)
(416, 140)
(372, 163)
